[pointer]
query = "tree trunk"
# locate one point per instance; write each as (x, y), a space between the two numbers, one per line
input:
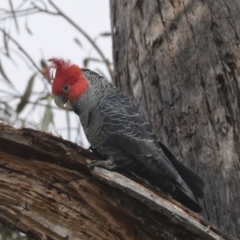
(179, 62)
(47, 192)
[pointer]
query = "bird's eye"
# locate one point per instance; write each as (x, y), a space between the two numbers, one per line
(66, 88)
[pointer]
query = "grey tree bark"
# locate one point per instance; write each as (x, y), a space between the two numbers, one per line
(179, 62)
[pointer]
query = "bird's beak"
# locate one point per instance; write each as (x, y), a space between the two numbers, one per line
(63, 102)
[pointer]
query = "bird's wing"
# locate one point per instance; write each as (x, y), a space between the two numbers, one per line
(192, 179)
(126, 129)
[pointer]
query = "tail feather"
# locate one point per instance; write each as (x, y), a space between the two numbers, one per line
(194, 182)
(187, 201)
(180, 190)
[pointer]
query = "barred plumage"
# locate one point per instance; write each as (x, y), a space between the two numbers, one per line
(115, 127)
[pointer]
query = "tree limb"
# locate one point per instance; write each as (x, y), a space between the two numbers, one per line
(47, 192)
(22, 50)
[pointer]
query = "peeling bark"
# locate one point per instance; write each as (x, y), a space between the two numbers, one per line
(47, 192)
(179, 61)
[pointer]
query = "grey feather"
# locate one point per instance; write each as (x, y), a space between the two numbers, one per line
(115, 127)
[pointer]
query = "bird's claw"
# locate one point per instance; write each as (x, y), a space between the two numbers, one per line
(91, 165)
(107, 164)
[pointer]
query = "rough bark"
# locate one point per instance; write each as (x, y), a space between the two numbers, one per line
(47, 192)
(179, 62)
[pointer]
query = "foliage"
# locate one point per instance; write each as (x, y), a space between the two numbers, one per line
(17, 108)
(21, 106)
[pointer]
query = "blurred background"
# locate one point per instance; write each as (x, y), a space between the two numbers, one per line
(32, 31)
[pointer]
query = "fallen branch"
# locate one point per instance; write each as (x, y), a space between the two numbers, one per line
(47, 192)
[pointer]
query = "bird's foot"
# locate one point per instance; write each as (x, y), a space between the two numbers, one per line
(107, 164)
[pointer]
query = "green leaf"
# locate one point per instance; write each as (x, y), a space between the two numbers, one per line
(106, 34)
(47, 116)
(5, 77)
(43, 63)
(27, 28)
(24, 100)
(5, 41)
(76, 40)
(14, 15)
(85, 62)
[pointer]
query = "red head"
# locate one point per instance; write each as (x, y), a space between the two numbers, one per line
(69, 82)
